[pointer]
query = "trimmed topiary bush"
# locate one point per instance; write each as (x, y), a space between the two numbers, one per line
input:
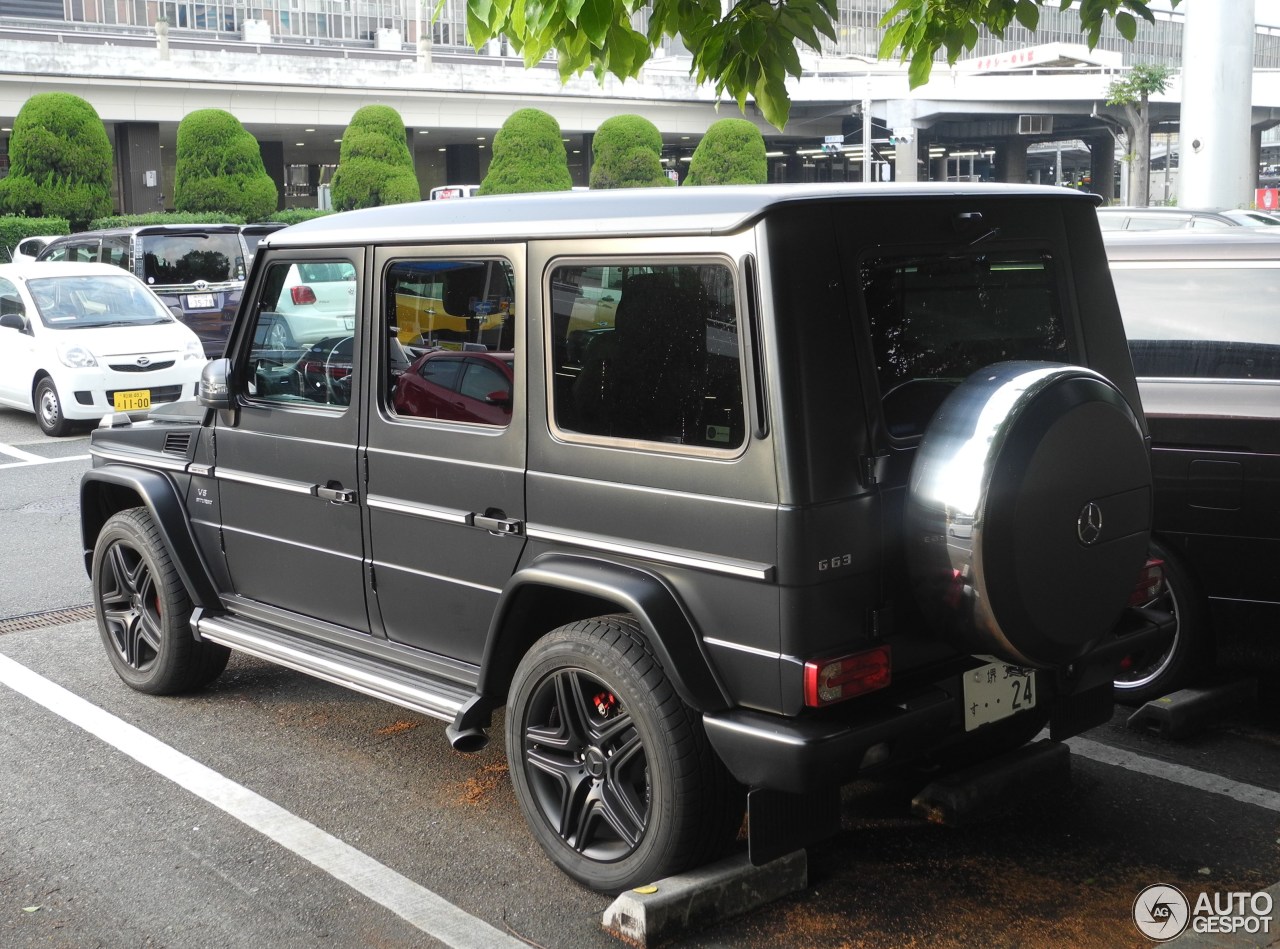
(627, 153)
(219, 168)
(528, 155)
(60, 161)
(731, 153)
(374, 163)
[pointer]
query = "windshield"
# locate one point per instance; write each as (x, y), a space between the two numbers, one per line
(185, 258)
(99, 300)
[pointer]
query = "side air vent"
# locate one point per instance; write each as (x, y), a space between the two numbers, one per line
(177, 443)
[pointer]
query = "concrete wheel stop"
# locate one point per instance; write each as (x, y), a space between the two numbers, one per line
(651, 914)
(1187, 712)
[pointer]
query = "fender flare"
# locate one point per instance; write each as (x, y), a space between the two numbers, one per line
(159, 495)
(645, 595)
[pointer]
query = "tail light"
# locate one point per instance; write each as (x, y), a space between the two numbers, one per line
(834, 680)
(302, 295)
(1150, 582)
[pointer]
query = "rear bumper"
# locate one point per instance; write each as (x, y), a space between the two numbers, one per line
(798, 755)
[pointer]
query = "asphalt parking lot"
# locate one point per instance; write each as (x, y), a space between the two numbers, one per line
(273, 809)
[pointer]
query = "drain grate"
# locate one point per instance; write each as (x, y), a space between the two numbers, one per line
(72, 614)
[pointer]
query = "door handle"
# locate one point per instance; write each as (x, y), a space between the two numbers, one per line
(496, 522)
(333, 492)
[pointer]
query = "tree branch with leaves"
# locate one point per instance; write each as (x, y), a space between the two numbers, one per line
(750, 50)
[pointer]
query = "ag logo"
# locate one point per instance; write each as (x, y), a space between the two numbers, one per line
(1161, 912)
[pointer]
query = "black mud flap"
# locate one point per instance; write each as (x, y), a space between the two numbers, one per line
(779, 823)
(1080, 711)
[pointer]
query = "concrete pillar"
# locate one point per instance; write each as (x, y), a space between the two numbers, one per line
(273, 162)
(462, 164)
(1217, 97)
(905, 154)
(1102, 166)
(138, 171)
(1011, 161)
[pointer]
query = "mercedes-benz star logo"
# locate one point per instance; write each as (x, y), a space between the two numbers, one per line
(1089, 524)
(1161, 912)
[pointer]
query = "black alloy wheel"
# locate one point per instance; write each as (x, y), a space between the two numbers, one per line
(612, 770)
(143, 610)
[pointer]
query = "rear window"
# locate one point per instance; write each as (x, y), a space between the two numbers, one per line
(185, 258)
(937, 319)
(1196, 319)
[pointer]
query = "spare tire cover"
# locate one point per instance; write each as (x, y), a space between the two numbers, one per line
(1029, 511)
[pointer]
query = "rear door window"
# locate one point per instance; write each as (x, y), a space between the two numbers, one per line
(647, 351)
(176, 259)
(936, 319)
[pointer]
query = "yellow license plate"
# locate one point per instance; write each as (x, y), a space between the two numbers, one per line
(135, 400)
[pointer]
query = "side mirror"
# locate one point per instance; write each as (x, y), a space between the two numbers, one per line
(14, 321)
(500, 398)
(176, 311)
(215, 390)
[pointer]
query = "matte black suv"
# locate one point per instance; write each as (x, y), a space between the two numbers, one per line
(793, 483)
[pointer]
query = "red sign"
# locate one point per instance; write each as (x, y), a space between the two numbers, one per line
(1267, 199)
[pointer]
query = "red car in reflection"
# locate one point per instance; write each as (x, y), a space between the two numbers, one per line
(458, 387)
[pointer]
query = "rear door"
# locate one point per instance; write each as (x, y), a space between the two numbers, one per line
(445, 496)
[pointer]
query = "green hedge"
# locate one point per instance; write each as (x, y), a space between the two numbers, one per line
(165, 217)
(297, 215)
(14, 229)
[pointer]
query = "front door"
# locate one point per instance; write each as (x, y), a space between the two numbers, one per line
(286, 457)
(446, 445)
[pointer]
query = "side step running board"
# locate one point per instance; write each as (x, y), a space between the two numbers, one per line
(437, 699)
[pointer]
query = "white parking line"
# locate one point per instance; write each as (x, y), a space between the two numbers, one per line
(18, 453)
(26, 458)
(1179, 774)
(417, 905)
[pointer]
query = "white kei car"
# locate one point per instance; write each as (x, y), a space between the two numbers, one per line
(79, 341)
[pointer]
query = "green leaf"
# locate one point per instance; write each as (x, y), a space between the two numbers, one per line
(595, 20)
(1127, 26)
(921, 66)
(1028, 14)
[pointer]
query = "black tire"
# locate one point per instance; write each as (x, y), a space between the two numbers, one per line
(1151, 674)
(143, 611)
(48, 406)
(624, 789)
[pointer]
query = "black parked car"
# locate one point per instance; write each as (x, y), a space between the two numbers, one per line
(198, 270)
(782, 486)
(1204, 330)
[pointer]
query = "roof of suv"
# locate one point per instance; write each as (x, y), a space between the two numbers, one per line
(1225, 244)
(624, 212)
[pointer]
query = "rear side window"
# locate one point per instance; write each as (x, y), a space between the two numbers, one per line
(169, 259)
(647, 352)
(1200, 320)
(937, 319)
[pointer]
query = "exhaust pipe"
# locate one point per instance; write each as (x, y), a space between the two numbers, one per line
(466, 740)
